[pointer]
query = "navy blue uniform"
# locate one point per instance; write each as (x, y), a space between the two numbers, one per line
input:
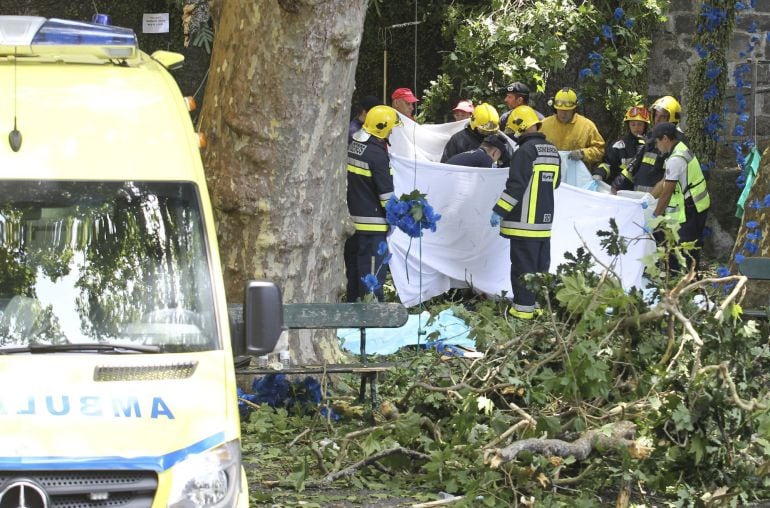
(466, 139)
(526, 207)
(477, 158)
(370, 185)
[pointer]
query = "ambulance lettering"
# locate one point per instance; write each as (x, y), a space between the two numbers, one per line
(88, 405)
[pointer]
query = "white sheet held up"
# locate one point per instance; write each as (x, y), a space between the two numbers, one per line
(465, 250)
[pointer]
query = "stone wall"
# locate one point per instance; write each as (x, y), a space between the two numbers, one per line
(673, 56)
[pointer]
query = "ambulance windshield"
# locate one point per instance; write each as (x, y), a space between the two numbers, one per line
(107, 262)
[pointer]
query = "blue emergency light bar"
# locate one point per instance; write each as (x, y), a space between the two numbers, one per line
(33, 36)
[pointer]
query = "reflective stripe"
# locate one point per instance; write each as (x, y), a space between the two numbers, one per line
(358, 163)
(368, 220)
(523, 308)
(627, 174)
(699, 197)
(359, 171)
(525, 225)
(537, 169)
(371, 227)
(649, 158)
(506, 202)
(643, 188)
(525, 233)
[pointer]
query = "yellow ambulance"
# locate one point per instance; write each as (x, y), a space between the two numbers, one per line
(116, 359)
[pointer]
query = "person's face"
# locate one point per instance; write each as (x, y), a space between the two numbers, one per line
(565, 115)
(403, 107)
(636, 127)
(513, 100)
(461, 115)
(661, 115)
(663, 144)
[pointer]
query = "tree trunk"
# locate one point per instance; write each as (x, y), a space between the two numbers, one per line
(275, 114)
(756, 210)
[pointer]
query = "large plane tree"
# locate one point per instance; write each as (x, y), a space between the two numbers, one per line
(275, 112)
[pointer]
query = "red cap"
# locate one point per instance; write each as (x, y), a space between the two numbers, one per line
(466, 106)
(404, 93)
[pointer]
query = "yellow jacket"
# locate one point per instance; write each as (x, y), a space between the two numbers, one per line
(579, 134)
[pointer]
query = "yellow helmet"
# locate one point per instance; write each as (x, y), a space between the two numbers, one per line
(670, 105)
(485, 119)
(380, 120)
(521, 119)
(638, 113)
(566, 98)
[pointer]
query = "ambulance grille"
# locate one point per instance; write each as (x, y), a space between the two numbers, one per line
(91, 489)
(145, 372)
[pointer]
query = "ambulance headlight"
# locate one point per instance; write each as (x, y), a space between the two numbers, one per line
(210, 479)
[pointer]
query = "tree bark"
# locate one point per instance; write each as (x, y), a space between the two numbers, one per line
(275, 115)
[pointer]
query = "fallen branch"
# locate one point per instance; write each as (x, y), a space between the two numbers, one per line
(621, 436)
(724, 373)
(350, 470)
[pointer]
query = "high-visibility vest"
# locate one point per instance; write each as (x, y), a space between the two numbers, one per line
(696, 186)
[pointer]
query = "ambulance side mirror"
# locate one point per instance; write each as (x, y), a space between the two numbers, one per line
(168, 59)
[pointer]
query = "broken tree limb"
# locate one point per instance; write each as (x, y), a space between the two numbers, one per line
(350, 470)
(620, 436)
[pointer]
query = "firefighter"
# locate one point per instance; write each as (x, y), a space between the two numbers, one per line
(570, 131)
(646, 170)
(485, 156)
(484, 121)
(684, 195)
(370, 185)
(526, 206)
(624, 150)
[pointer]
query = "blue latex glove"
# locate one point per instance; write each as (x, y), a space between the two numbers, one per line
(494, 220)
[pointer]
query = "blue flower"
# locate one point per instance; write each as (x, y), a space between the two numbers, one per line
(630, 23)
(739, 130)
(752, 224)
(607, 32)
(596, 68)
(750, 247)
(741, 180)
(584, 72)
(723, 271)
(594, 56)
(382, 248)
(739, 6)
(753, 236)
(766, 200)
(618, 14)
(739, 258)
(702, 51)
(713, 17)
(371, 282)
(743, 117)
(711, 93)
(596, 40)
(756, 205)
(712, 70)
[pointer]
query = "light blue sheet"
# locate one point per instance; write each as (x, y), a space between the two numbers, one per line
(385, 341)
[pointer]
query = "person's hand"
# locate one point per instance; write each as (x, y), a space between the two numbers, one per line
(576, 155)
(494, 220)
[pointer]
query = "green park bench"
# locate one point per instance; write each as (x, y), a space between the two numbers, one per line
(756, 268)
(332, 316)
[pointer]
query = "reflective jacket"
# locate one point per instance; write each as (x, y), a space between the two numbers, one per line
(462, 141)
(370, 185)
(647, 169)
(579, 134)
(696, 190)
(526, 205)
(619, 156)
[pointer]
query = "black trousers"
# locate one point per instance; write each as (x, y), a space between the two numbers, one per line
(691, 230)
(527, 256)
(360, 249)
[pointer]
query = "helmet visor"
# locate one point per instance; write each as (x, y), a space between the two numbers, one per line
(564, 103)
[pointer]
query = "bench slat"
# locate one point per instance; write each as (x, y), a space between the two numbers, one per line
(344, 315)
(755, 268)
(356, 368)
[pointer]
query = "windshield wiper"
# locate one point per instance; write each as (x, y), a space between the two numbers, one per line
(77, 348)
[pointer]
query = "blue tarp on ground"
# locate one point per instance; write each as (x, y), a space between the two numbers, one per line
(385, 341)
